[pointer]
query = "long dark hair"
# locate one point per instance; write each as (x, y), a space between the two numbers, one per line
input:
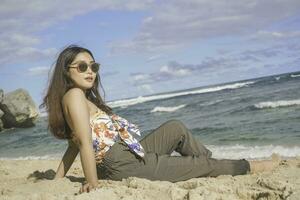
(59, 84)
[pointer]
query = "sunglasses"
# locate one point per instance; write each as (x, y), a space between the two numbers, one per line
(83, 66)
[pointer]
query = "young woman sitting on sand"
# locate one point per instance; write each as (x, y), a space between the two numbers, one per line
(107, 142)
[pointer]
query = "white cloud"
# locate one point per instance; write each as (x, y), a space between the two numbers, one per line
(274, 35)
(21, 20)
(170, 24)
(171, 71)
(140, 77)
(154, 57)
(174, 70)
(174, 24)
(10, 41)
(226, 66)
(145, 88)
(35, 71)
(19, 53)
(35, 53)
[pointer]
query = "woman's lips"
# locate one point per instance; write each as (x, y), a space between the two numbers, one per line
(89, 79)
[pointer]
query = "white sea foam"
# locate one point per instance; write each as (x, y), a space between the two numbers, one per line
(237, 151)
(167, 109)
(43, 114)
(46, 157)
(275, 104)
(212, 102)
(295, 75)
(252, 152)
(141, 99)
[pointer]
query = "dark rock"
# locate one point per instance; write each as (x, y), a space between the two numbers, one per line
(1, 96)
(1, 112)
(1, 124)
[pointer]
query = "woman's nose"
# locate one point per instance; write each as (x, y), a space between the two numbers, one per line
(89, 69)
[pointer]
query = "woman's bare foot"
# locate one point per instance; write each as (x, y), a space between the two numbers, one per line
(257, 166)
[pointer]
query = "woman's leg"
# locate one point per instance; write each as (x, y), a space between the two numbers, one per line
(265, 165)
(159, 165)
(173, 135)
(121, 163)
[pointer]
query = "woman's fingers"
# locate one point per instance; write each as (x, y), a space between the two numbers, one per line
(83, 189)
(86, 188)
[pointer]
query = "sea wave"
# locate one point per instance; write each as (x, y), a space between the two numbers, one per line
(210, 103)
(237, 151)
(276, 104)
(252, 152)
(295, 75)
(43, 114)
(141, 99)
(45, 157)
(166, 109)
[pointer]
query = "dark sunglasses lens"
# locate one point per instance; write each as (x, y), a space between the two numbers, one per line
(82, 67)
(95, 67)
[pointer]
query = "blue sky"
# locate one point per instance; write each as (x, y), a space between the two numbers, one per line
(148, 47)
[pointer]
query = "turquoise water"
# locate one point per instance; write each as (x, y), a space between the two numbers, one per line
(244, 119)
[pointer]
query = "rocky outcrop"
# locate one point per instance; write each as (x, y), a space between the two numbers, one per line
(17, 109)
(1, 95)
(1, 123)
(1, 112)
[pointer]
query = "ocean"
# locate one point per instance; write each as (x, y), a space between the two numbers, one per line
(244, 119)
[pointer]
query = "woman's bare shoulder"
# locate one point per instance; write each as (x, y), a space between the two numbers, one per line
(73, 94)
(74, 106)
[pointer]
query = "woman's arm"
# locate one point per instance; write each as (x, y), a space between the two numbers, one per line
(67, 160)
(79, 115)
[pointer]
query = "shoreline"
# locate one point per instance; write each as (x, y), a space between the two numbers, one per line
(59, 157)
(30, 179)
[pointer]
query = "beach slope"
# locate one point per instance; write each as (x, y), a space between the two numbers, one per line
(31, 179)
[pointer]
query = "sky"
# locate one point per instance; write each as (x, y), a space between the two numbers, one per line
(147, 47)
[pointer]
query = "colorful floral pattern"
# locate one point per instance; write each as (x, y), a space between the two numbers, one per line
(106, 129)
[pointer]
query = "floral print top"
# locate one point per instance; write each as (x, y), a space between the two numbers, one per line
(107, 129)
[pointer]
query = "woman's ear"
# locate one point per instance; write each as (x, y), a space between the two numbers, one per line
(67, 73)
(68, 78)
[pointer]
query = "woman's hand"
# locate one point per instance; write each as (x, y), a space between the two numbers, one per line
(87, 187)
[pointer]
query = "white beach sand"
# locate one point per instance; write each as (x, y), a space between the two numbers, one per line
(28, 179)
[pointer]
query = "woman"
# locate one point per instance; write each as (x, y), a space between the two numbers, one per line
(107, 142)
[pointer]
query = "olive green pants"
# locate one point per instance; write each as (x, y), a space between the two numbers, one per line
(119, 162)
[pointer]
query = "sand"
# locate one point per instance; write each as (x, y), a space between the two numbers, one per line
(31, 179)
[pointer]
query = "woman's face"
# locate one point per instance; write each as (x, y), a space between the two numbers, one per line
(83, 80)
